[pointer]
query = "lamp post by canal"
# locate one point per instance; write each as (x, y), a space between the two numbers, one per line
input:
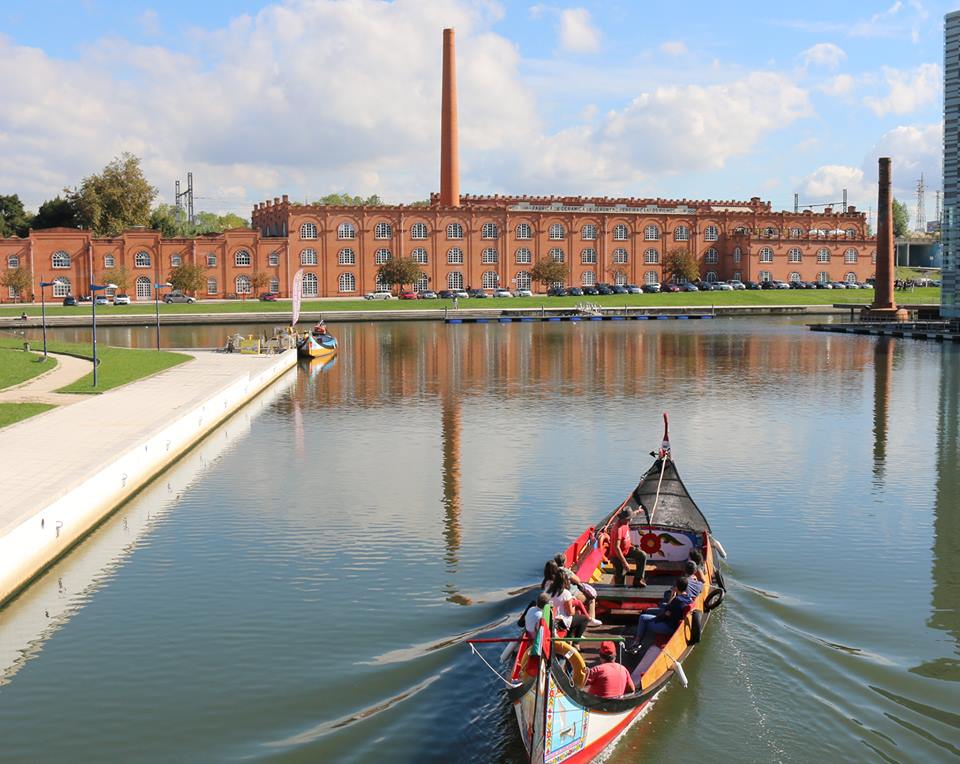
(43, 314)
(94, 288)
(156, 304)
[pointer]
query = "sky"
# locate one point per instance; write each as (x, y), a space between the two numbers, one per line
(615, 98)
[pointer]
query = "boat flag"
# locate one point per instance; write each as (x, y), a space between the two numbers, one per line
(296, 292)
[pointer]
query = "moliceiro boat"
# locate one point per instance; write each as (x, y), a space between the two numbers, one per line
(560, 719)
(317, 343)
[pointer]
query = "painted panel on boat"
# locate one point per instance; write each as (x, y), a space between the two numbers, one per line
(566, 726)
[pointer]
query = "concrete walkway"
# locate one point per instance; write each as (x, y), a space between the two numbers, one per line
(41, 389)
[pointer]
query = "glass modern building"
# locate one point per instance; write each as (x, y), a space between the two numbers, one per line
(950, 300)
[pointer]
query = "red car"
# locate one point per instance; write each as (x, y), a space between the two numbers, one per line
(409, 296)
(268, 297)
(670, 288)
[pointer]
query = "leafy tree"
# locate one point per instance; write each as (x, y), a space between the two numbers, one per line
(259, 281)
(901, 218)
(119, 276)
(548, 271)
(681, 265)
(188, 277)
(19, 279)
(345, 200)
(55, 213)
(14, 219)
(116, 199)
(399, 271)
(163, 218)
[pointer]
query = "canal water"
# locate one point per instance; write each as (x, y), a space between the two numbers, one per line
(297, 589)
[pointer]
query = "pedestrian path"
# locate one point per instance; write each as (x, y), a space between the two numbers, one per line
(42, 389)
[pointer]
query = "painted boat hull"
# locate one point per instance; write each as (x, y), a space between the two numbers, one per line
(322, 346)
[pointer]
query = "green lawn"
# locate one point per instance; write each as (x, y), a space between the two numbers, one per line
(118, 366)
(929, 295)
(14, 412)
(17, 366)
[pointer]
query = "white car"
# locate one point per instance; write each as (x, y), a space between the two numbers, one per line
(502, 293)
(378, 296)
(522, 293)
(461, 294)
(781, 285)
(723, 286)
(121, 299)
(737, 284)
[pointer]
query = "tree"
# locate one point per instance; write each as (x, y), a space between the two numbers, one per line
(548, 271)
(14, 219)
(55, 213)
(345, 200)
(164, 219)
(402, 270)
(259, 281)
(17, 279)
(681, 265)
(901, 219)
(118, 276)
(187, 277)
(116, 199)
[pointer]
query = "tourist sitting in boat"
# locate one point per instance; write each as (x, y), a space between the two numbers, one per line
(694, 587)
(531, 617)
(569, 622)
(558, 563)
(694, 579)
(620, 549)
(697, 559)
(608, 679)
(664, 622)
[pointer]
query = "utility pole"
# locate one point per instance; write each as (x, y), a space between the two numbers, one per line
(178, 195)
(921, 224)
(939, 221)
(796, 202)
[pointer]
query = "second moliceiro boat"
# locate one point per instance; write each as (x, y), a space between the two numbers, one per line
(317, 343)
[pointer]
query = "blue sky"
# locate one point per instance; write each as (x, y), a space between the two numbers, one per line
(310, 96)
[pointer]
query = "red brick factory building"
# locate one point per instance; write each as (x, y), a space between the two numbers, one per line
(466, 241)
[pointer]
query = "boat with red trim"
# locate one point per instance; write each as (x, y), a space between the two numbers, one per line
(317, 343)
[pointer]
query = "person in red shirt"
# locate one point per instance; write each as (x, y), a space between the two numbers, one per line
(608, 679)
(621, 549)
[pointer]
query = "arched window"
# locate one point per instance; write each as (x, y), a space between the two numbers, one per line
(418, 231)
(823, 277)
(794, 255)
(488, 256)
(620, 232)
(620, 256)
(712, 277)
(765, 276)
(524, 281)
(524, 231)
(454, 231)
(737, 254)
(851, 233)
(771, 233)
(346, 231)
(823, 255)
(211, 286)
(308, 231)
(13, 261)
(274, 286)
(651, 233)
(379, 285)
(681, 233)
(524, 256)
(60, 260)
(795, 233)
(143, 288)
(589, 278)
(382, 231)
(588, 232)
(454, 280)
(308, 257)
(346, 256)
(711, 256)
(557, 255)
(711, 233)
(794, 276)
(588, 256)
(176, 261)
(382, 256)
(421, 284)
(650, 277)
(850, 278)
(488, 231)
(620, 278)
(455, 256)
(241, 258)
(308, 287)
(557, 232)
(109, 261)
(243, 284)
(850, 256)
(651, 257)
(419, 256)
(211, 260)
(489, 280)
(766, 255)
(141, 260)
(61, 286)
(273, 258)
(347, 282)
(737, 276)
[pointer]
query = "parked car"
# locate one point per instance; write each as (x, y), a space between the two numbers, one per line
(824, 285)
(522, 293)
(102, 299)
(409, 296)
(121, 299)
(461, 294)
(591, 290)
(178, 297)
(268, 297)
(620, 289)
(689, 288)
(69, 300)
(378, 296)
(575, 292)
(634, 289)
(723, 286)
(671, 287)
(751, 285)
(737, 284)
(838, 285)
(556, 291)
(427, 294)
(704, 286)
(651, 288)
(781, 285)
(83, 298)
(477, 293)
(604, 289)
(502, 293)
(445, 294)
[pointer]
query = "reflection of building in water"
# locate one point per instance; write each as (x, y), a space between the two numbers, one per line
(882, 381)
(946, 524)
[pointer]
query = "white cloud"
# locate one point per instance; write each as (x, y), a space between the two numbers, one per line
(907, 90)
(577, 32)
(823, 54)
(838, 86)
(827, 183)
(673, 48)
(150, 22)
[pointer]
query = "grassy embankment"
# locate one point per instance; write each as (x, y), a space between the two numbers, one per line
(15, 412)
(17, 366)
(118, 366)
(927, 295)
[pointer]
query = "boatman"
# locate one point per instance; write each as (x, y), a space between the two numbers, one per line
(608, 679)
(621, 549)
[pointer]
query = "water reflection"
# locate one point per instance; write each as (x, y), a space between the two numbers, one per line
(882, 385)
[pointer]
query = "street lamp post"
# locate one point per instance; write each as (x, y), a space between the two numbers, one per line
(94, 288)
(43, 314)
(156, 303)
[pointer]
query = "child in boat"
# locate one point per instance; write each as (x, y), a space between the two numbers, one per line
(565, 612)
(608, 679)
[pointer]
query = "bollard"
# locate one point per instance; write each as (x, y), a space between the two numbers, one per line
(26, 347)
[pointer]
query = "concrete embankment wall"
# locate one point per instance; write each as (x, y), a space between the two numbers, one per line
(47, 530)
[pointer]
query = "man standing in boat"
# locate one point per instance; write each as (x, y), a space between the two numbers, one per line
(621, 549)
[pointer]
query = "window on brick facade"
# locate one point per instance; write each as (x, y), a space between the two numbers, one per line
(620, 278)
(13, 262)
(620, 256)
(379, 285)
(796, 233)
(455, 256)
(823, 277)
(211, 286)
(737, 254)
(211, 261)
(650, 277)
(851, 233)
(308, 231)
(711, 233)
(454, 280)
(489, 280)
(346, 231)
(241, 257)
(346, 256)
(620, 232)
(711, 256)
(419, 256)
(523, 280)
(557, 232)
(347, 282)
(61, 286)
(850, 256)
(418, 231)
(850, 278)
(770, 232)
(308, 287)
(766, 255)
(274, 286)
(588, 232)
(557, 255)
(651, 233)
(489, 255)
(489, 231)
(381, 256)
(243, 284)
(109, 261)
(681, 233)
(421, 284)
(454, 231)
(737, 276)
(589, 278)
(794, 276)
(141, 260)
(765, 276)
(794, 255)
(651, 257)
(823, 255)
(524, 256)
(588, 256)
(176, 261)
(712, 277)
(524, 231)
(273, 258)
(382, 231)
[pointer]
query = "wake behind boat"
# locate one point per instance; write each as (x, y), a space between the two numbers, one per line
(565, 712)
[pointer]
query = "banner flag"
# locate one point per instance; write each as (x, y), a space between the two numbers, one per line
(296, 292)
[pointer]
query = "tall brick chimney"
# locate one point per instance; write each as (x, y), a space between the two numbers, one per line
(884, 307)
(449, 150)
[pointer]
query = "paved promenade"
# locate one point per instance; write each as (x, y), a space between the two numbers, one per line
(42, 389)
